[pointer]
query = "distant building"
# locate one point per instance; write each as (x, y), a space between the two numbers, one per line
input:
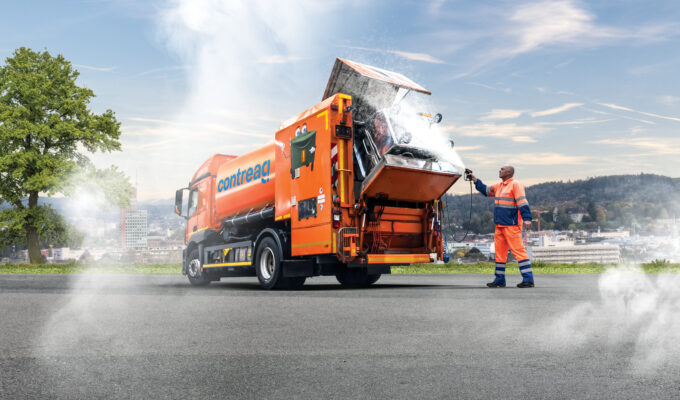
(597, 253)
(610, 235)
(134, 229)
(134, 226)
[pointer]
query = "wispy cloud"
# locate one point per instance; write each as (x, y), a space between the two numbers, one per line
(163, 69)
(190, 129)
(91, 68)
(278, 59)
(654, 145)
(530, 159)
(497, 114)
(537, 25)
(514, 132)
(416, 56)
(644, 121)
(485, 86)
(581, 121)
(469, 148)
(556, 110)
(621, 108)
(669, 100)
(553, 22)
(423, 57)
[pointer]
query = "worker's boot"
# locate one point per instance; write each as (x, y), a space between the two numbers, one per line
(527, 274)
(499, 276)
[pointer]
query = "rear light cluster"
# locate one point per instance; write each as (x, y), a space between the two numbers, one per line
(336, 218)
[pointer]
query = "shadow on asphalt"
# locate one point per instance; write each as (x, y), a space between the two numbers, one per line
(329, 287)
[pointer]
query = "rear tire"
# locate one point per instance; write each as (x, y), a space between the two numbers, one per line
(268, 264)
(356, 277)
(194, 270)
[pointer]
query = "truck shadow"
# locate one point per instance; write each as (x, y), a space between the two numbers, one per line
(336, 287)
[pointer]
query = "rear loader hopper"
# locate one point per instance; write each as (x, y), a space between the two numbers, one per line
(349, 187)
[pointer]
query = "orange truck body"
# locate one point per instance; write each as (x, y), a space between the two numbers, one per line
(303, 191)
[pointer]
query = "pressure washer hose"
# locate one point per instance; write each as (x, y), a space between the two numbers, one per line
(446, 215)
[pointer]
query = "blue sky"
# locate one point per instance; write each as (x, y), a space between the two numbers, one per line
(561, 89)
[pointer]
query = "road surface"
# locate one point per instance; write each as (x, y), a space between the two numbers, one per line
(448, 336)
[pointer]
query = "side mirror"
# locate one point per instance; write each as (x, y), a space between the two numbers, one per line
(181, 202)
(437, 118)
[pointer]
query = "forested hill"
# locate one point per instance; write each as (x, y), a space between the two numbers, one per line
(607, 201)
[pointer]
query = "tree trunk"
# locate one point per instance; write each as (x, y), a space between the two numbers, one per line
(32, 237)
(34, 254)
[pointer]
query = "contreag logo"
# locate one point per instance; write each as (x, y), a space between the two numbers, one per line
(260, 172)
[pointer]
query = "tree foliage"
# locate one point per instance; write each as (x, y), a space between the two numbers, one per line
(46, 130)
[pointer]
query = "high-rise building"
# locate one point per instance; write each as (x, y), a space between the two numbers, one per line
(133, 225)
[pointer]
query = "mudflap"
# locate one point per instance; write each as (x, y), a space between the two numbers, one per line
(298, 268)
(379, 269)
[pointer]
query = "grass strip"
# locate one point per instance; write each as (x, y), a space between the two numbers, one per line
(73, 268)
(538, 267)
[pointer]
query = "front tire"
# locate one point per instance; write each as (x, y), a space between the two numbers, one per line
(194, 271)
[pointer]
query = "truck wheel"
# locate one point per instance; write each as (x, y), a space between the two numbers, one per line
(194, 273)
(356, 278)
(268, 264)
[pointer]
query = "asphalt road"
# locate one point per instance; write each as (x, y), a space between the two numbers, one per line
(98, 336)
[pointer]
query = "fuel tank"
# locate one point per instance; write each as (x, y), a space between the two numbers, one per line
(245, 183)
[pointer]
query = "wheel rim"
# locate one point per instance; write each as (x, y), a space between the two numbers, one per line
(267, 264)
(194, 268)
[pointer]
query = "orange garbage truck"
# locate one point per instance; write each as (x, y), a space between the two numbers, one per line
(349, 187)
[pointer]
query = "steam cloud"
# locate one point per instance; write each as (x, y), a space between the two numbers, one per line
(634, 308)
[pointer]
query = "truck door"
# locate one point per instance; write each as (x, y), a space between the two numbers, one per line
(311, 198)
(199, 207)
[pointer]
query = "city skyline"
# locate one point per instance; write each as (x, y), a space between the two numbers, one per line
(561, 89)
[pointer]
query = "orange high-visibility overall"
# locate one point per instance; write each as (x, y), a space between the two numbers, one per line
(511, 208)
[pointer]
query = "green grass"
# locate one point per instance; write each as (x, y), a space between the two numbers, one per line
(451, 268)
(538, 267)
(74, 268)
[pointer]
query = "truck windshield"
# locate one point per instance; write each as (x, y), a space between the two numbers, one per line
(193, 202)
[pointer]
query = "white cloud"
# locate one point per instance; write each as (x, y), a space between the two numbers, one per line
(530, 159)
(163, 69)
(416, 56)
(278, 59)
(537, 25)
(423, 57)
(669, 100)
(653, 145)
(548, 22)
(644, 121)
(581, 121)
(556, 110)
(496, 114)
(100, 69)
(514, 132)
(621, 108)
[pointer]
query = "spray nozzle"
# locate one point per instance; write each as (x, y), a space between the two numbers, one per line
(468, 174)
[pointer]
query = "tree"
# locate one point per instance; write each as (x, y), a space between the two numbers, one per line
(46, 129)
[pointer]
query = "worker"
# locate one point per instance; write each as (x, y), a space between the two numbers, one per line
(511, 208)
